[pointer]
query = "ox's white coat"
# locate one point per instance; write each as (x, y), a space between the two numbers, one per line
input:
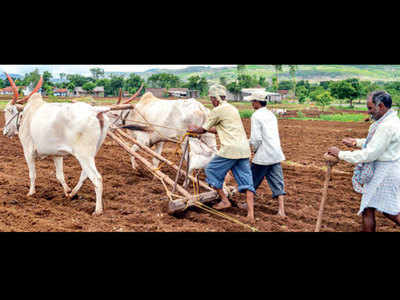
(58, 129)
(175, 114)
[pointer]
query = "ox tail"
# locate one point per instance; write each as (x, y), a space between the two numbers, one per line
(137, 127)
(100, 117)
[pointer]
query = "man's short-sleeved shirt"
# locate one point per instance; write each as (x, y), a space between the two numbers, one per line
(226, 120)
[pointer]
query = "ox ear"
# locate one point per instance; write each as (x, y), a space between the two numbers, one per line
(135, 95)
(15, 90)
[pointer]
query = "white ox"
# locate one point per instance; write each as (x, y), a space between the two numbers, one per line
(278, 111)
(170, 119)
(56, 130)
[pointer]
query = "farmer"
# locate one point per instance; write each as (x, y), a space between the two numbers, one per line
(267, 149)
(234, 152)
(377, 173)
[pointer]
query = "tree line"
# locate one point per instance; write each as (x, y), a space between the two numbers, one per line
(111, 83)
(323, 93)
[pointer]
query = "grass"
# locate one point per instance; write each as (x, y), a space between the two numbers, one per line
(337, 118)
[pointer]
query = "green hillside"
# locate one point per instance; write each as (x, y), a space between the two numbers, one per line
(312, 73)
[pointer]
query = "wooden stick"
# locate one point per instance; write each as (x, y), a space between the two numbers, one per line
(168, 180)
(122, 106)
(181, 204)
(161, 158)
(177, 205)
(180, 166)
(330, 162)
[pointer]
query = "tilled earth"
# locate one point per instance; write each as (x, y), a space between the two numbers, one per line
(136, 202)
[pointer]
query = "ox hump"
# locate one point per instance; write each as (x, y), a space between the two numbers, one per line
(148, 98)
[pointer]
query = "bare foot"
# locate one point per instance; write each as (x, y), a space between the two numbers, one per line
(97, 213)
(251, 219)
(222, 205)
(242, 205)
(281, 214)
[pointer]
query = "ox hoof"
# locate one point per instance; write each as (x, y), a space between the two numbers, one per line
(97, 213)
(30, 194)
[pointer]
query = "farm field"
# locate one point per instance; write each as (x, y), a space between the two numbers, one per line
(135, 202)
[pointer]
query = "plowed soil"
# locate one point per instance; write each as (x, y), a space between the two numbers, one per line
(135, 201)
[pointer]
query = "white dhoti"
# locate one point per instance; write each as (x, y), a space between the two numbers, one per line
(383, 191)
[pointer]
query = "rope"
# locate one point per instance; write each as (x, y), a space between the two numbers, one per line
(216, 212)
(196, 203)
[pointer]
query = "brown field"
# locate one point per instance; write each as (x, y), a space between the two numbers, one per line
(136, 202)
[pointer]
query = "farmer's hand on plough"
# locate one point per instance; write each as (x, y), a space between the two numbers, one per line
(194, 131)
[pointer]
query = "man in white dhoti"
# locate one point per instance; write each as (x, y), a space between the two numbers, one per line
(377, 173)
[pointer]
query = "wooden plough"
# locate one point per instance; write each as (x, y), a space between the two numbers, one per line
(186, 199)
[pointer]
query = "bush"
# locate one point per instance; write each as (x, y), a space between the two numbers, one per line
(246, 114)
(300, 114)
(324, 99)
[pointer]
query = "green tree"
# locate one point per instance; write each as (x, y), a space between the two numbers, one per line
(62, 76)
(292, 71)
(116, 82)
(342, 90)
(233, 87)
(196, 82)
(285, 85)
(222, 81)
(302, 94)
(31, 78)
(164, 80)
(316, 92)
(97, 73)
(133, 83)
(324, 99)
(88, 86)
(262, 81)
(70, 86)
(278, 68)
(77, 79)
(274, 85)
(246, 81)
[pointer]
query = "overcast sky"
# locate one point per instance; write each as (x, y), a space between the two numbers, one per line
(84, 69)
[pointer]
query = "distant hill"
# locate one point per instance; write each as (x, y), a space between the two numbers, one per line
(312, 73)
(3, 76)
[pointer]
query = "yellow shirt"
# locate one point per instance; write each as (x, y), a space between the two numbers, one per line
(226, 119)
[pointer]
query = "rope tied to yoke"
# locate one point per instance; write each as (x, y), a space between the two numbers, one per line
(196, 186)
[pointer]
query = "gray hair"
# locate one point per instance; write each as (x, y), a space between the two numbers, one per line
(381, 97)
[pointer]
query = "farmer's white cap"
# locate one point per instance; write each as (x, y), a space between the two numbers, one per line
(217, 90)
(256, 97)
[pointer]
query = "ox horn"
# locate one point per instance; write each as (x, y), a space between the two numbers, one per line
(131, 98)
(15, 98)
(38, 86)
(120, 96)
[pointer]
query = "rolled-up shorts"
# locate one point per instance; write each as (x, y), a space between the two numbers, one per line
(274, 176)
(220, 166)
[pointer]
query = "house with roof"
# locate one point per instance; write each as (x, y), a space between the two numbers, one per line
(178, 92)
(98, 91)
(157, 92)
(269, 96)
(60, 92)
(22, 90)
(283, 93)
(78, 91)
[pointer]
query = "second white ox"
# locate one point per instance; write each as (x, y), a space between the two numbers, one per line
(58, 129)
(169, 120)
